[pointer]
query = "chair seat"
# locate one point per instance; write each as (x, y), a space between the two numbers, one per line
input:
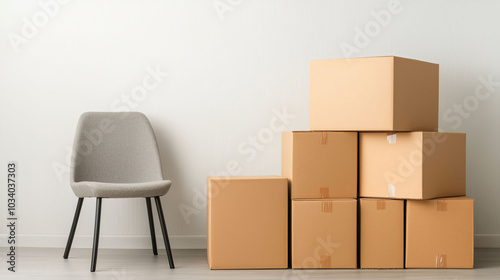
(121, 190)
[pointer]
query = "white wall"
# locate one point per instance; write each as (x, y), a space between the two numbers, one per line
(229, 73)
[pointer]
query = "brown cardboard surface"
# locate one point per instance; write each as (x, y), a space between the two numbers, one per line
(320, 164)
(417, 165)
(373, 94)
(324, 233)
(247, 222)
(440, 233)
(381, 233)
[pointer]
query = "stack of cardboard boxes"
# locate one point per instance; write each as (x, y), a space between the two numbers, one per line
(413, 211)
(372, 185)
(322, 168)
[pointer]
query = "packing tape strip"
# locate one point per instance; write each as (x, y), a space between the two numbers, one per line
(441, 205)
(326, 206)
(391, 138)
(324, 138)
(325, 261)
(391, 190)
(324, 192)
(441, 261)
(380, 204)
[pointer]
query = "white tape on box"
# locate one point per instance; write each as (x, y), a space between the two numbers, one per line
(391, 138)
(391, 190)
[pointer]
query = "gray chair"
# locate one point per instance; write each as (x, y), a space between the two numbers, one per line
(115, 155)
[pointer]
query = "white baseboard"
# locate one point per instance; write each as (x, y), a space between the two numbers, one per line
(487, 240)
(176, 241)
(108, 241)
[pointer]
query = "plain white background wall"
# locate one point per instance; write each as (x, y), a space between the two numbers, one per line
(233, 67)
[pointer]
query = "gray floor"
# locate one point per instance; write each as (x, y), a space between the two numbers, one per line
(37, 263)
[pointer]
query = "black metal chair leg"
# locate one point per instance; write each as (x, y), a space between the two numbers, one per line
(164, 231)
(73, 227)
(97, 225)
(151, 225)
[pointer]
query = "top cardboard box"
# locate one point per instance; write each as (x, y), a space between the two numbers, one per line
(374, 94)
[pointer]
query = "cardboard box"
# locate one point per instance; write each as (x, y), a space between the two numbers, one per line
(324, 233)
(411, 165)
(320, 164)
(374, 94)
(381, 233)
(247, 222)
(440, 233)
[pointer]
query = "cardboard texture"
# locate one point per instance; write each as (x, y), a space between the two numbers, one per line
(381, 233)
(320, 164)
(247, 222)
(373, 94)
(324, 233)
(440, 233)
(411, 165)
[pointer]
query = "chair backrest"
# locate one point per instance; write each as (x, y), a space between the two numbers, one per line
(115, 148)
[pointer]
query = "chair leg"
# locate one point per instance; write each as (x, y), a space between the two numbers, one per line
(73, 227)
(97, 225)
(151, 225)
(164, 231)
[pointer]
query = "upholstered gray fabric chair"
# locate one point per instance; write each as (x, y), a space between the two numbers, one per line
(115, 155)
